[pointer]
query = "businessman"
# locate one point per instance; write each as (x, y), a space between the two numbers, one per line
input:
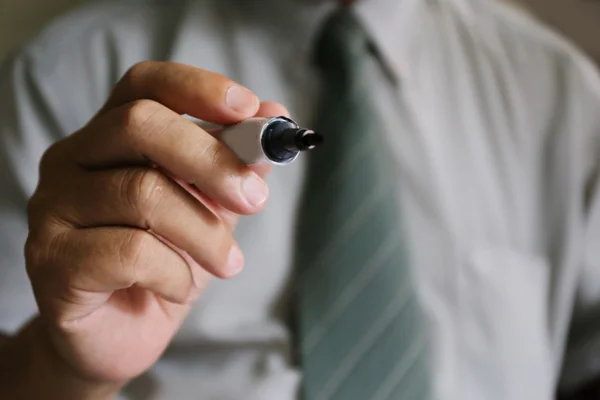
(442, 244)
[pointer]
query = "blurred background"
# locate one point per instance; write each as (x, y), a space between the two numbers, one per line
(19, 19)
(578, 19)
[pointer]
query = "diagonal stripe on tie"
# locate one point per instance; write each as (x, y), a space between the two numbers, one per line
(359, 323)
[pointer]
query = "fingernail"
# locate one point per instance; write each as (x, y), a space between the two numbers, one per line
(241, 100)
(235, 261)
(255, 190)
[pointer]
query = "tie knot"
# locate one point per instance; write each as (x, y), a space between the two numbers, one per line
(341, 43)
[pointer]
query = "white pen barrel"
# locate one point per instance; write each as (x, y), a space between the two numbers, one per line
(245, 140)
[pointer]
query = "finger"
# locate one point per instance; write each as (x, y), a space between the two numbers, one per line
(199, 274)
(185, 90)
(104, 144)
(137, 132)
(272, 109)
(145, 130)
(103, 260)
(146, 199)
(228, 217)
(267, 109)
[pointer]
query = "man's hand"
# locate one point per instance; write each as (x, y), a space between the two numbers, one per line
(117, 250)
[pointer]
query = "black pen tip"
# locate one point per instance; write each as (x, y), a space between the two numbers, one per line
(311, 139)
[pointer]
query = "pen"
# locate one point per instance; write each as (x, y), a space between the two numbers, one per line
(275, 140)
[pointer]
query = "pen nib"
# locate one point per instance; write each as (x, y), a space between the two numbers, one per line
(309, 140)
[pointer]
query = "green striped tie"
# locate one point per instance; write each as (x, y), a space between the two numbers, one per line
(359, 330)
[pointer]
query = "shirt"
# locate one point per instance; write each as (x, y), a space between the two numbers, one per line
(494, 122)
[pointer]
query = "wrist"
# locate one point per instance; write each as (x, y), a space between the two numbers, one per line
(31, 368)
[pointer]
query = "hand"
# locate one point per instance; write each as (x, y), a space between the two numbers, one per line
(117, 251)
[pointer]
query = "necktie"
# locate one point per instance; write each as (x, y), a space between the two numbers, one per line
(358, 321)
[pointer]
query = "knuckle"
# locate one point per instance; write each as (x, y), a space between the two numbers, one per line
(41, 215)
(145, 190)
(35, 253)
(35, 206)
(210, 153)
(50, 158)
(43, 247)
(135, 71)
(218, 154)
(139, 113)
(47, 158)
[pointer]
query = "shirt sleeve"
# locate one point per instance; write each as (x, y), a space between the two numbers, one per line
(581, 362)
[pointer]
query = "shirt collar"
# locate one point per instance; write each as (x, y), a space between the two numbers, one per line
(390, 25)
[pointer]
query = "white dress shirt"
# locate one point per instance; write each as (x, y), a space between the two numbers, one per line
(495, 124)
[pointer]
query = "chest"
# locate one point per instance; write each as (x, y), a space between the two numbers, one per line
(472, 179)
(471, 175)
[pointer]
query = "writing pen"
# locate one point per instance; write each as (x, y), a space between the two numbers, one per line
(275, 140)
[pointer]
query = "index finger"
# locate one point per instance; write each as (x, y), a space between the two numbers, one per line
(186, 90)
